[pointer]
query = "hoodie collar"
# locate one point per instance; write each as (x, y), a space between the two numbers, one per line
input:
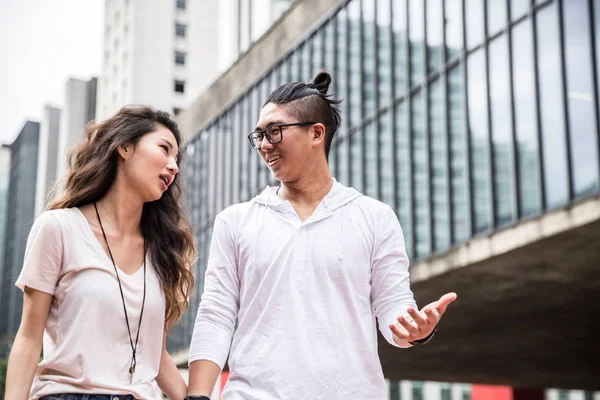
(338, 196)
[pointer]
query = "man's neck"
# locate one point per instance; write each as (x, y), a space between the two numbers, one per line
(308, 190)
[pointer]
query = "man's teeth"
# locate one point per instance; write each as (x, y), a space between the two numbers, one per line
(273, 159)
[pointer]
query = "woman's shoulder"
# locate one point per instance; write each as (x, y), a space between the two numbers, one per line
(59, 217)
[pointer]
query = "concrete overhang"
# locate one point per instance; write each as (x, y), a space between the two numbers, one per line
(527, 306)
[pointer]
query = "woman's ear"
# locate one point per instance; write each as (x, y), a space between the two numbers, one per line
(125, 150)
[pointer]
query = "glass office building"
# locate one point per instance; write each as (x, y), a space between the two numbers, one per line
(465, 116)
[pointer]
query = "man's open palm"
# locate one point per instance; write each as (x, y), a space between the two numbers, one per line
(421, 324)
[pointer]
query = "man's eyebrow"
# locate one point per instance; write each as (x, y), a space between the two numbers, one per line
(276, 122)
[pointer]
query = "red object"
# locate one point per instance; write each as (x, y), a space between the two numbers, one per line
(224, 376)
(489, 392)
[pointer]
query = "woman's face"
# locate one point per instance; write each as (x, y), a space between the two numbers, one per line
(150, 167)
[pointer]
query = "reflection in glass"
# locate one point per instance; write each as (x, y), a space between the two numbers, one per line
(370, 185)
(475, 20)
(212, 146)
(478, 130)
(342, 150)
(400, 38)
(420, 175)
(435, 35)
(500, 107)
(497, 16)
(329, 54)
(285, 72)
(597, 43)
(317, 54)
(386, 158)
(295, 66)
(417, 41)
(384, 47)
(518, 8)
(227, 160)
(307, 71)
(356, 152)
(525, 121)
(341, 93)
(454, 28)
(582, 126)
(247, 151)
(368, 15)
(458, 154)
(237, 149)
(439, 167)
(403, 175)
(355, 60)
(255, 161)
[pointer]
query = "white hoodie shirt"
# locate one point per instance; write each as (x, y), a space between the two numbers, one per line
(306, 295)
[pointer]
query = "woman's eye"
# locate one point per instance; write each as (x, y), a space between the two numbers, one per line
(165, 148)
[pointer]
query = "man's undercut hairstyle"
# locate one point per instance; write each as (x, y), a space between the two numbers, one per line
(310, 102)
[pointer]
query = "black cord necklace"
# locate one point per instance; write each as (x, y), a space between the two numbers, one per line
(133, 347)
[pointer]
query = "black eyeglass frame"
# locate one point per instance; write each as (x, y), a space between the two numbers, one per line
(280, 127)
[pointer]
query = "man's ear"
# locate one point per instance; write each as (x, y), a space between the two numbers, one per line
(318, 131)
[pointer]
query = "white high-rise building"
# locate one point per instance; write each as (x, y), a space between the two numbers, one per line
(161, 53)
(48, 157)
(164, 53)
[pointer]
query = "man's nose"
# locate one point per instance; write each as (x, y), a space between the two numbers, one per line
(265, 144)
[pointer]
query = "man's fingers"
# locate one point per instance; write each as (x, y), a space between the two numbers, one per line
(408, 324)
(419, 317)
(399, 332)
(444, 301)
(433, 315)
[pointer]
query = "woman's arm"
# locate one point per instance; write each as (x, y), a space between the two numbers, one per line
(169, 379)
(27, 347)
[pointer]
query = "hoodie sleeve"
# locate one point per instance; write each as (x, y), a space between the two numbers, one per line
(390, 282)
(219, 306)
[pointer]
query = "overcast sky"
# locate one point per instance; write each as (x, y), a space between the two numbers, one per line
(42, 44)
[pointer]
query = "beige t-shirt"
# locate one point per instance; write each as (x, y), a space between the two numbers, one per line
(86, 344)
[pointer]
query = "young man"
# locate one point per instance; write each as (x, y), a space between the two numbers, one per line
(307, 268)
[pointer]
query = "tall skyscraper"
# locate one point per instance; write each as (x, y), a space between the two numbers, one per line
(80, 108)
(19, 218)
(159, 53)
(47, 156)
(165, 53)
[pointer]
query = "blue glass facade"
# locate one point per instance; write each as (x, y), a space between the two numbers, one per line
(464, 115)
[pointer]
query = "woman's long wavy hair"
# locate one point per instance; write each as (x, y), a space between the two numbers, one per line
(92, 168)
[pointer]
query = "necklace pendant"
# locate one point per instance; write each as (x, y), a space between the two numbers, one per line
(132, 368)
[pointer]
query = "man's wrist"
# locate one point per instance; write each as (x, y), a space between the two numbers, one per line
(424, 340)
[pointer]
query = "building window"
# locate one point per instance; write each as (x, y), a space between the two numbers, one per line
(179, 86)
(180, 30)
(446, 393)
(181, 4)
(176, 111)
(179, 58)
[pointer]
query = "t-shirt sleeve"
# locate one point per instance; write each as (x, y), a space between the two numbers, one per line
(43, 255)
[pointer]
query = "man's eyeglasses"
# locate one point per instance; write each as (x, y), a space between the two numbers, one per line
(273, 133)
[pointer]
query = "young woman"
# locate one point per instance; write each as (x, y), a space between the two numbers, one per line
(107, 269)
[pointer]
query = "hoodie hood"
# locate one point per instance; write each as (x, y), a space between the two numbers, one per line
(338, 196)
